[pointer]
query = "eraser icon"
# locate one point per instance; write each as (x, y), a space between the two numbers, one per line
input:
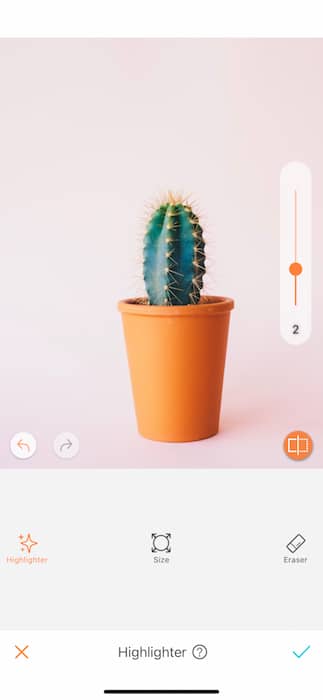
(296, 543)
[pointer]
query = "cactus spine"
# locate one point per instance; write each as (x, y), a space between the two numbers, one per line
(174, 258)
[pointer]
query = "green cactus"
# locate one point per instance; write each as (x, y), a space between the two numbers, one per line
(174, 258)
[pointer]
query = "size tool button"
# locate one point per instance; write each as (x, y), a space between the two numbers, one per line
(295, 253)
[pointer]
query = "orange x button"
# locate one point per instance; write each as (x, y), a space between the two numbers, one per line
(21, 652)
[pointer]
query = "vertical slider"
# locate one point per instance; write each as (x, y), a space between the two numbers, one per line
(295, 253)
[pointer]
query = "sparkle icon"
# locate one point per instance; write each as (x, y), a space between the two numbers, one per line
(27, 543)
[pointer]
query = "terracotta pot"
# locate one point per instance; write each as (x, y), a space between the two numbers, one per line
(176, 357)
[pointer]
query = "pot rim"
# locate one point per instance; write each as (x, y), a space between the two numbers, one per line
(211, 305)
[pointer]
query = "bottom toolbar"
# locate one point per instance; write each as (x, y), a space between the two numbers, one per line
(91, 665)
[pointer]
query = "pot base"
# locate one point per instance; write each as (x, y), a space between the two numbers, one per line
(178, 438)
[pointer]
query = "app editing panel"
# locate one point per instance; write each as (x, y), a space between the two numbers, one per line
(161, 444)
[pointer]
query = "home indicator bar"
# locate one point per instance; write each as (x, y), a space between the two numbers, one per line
(162, 692)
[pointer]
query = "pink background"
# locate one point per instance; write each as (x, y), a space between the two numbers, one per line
(90, 130)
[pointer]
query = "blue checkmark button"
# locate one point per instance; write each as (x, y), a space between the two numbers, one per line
(299, 656)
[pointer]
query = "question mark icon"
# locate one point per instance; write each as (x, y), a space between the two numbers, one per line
(199, 651)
